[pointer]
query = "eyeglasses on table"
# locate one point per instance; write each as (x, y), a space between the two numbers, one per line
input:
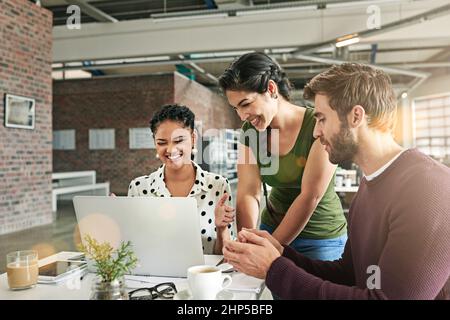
(166, 290)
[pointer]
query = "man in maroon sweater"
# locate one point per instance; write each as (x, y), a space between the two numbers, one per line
(399, 221)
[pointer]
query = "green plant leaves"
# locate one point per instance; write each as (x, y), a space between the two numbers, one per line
(110, 264)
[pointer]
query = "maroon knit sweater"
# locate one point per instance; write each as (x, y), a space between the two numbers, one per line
(400, 222)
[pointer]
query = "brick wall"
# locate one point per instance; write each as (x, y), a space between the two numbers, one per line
(208, 106)
(25, 155)
(123, 103)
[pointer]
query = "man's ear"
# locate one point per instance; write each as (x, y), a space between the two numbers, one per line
(356, 116)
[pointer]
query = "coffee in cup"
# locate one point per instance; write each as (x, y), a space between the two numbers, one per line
(205, 282)
(22, 269)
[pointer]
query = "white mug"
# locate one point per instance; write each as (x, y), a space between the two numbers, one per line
(205, 282)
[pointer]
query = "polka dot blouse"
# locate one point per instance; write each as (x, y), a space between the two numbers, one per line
(208, 188)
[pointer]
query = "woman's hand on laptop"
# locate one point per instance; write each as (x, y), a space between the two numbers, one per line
(223, 214)
(112, 195)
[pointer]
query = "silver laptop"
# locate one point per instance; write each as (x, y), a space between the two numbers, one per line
(164, 232)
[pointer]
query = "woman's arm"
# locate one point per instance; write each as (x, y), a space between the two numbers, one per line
(222, 234)
(223, 216)
(248, 189)
(316, 178)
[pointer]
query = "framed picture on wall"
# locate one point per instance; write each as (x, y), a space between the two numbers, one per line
(19, 112)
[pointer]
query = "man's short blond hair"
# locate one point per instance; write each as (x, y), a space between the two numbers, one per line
(351, 84)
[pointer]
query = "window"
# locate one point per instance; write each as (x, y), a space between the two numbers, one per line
(141, 138)
(64, 139)
(432, 125)
(101, 139)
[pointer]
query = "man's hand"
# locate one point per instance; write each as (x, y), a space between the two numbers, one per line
(223, 214)
(243, 237)
(253, 258)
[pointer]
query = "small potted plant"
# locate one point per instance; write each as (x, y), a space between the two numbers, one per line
(110, 265)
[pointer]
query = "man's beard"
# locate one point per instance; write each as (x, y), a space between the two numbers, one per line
(343, 146)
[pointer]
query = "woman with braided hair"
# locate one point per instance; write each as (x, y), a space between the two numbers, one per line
(302, 210)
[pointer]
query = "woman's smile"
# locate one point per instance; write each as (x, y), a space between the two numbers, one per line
(175, 157)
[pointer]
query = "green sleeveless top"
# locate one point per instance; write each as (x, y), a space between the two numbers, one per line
(328, 220)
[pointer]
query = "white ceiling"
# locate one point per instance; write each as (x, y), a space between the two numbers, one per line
(294, 28)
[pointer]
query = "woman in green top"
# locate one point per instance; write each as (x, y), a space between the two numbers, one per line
(302, 210)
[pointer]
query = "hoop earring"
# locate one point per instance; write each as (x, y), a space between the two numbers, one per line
(274, 96)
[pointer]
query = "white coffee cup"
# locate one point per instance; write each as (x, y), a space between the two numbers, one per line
(205, 282)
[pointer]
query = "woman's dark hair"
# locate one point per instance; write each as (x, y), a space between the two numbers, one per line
(252, 72)
(173, 112)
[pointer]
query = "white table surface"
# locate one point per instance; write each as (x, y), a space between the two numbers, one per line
(74, 289)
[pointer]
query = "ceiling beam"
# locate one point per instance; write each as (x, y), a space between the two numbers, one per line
(246, 7)
(92, 11)
(387, 69)
(426, 65)
(147, 37)
(416, 19)
(203, 72)
(170, 62)
(198, 69)
(442, 55)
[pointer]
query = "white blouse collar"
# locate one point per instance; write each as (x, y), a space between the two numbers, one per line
(199, 184)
